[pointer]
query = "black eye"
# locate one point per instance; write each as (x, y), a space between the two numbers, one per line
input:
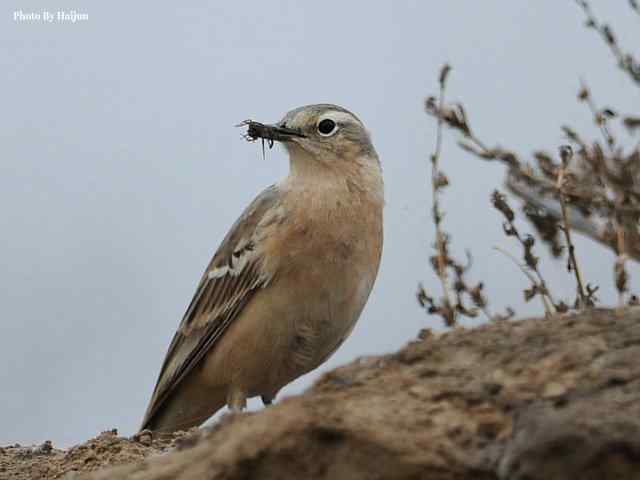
(326, 127)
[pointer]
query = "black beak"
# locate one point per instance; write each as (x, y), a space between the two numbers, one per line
(272, 133)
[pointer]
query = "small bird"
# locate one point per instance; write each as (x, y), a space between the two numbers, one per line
(289, 281)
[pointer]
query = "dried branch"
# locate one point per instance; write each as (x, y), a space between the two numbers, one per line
(439, 181)
(594, 191)
(600, 116)
(538, 285)
(455, 295)
(598, 195)
(535, 288)
(626, 61)
(590, 194)
(566, 154)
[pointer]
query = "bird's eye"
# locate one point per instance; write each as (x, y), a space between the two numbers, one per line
(327, 127)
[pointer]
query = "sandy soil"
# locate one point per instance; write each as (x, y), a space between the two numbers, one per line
(538, 399)
(107, 449)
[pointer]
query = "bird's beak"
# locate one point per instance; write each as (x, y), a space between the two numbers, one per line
(277, 133)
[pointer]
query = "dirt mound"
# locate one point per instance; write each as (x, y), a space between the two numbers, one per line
(107, 449)
(536, 399)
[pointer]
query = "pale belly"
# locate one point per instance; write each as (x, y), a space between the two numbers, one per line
(290, 328)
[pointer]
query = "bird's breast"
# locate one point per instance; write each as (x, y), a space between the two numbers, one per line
(333, 248)
(333, 231)
(328, 246)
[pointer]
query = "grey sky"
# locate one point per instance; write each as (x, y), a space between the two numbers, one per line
(121, 171)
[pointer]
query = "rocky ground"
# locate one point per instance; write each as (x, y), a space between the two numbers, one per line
(540, 399)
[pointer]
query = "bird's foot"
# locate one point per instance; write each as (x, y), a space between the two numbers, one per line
(237, 401)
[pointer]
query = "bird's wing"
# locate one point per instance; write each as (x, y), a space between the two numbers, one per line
(234, 274)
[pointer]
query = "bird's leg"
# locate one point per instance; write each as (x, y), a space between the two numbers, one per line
(237, 400)
(266, 400)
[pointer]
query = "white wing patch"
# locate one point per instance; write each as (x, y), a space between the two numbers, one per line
(237, 266)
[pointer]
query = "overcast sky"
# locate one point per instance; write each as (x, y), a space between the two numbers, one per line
(121, 169)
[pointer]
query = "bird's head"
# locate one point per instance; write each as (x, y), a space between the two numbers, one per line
(323, 133)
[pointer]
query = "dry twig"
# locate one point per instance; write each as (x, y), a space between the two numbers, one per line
(566, 154)
(454, 297)
(538, 285)
(594, 191)
(626, 61)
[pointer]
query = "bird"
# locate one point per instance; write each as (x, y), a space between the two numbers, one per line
(290, 279)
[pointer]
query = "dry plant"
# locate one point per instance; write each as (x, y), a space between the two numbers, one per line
(591, 188)
(530, 267)
(626, 61)
(455, 297)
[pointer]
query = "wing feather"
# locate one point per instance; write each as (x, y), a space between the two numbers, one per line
(233, 276)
